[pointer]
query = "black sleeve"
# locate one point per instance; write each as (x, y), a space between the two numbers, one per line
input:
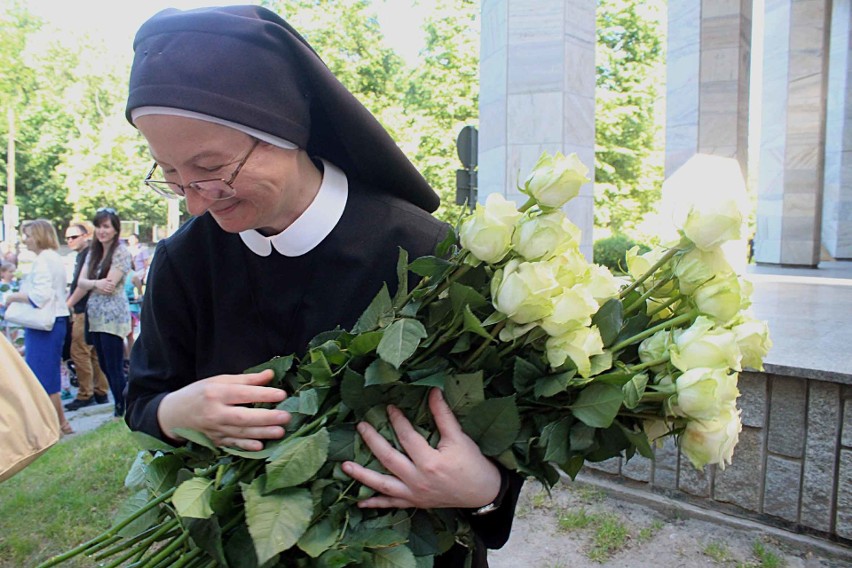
(493, 528)
(162, 359)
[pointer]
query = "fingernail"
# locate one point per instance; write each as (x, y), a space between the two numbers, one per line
(361, 427)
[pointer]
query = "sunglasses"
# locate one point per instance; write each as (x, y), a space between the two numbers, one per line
(70, 238)
(109, 210)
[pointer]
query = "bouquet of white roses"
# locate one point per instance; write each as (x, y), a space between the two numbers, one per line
(547, 360)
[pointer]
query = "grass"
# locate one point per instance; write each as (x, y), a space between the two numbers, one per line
(609, 536)
(717, 551)
(65, 497)
(764, 558)
(647, 533)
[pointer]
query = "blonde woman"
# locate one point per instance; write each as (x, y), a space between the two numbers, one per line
(45, 285)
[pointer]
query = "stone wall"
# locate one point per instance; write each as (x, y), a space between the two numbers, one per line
(792, 467)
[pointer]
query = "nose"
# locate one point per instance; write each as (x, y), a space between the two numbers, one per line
(196, 203)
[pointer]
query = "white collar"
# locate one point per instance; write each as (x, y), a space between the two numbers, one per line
(312, 226)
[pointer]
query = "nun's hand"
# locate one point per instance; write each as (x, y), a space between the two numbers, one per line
(213, 407)
(453, 475)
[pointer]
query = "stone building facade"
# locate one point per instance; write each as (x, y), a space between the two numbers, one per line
(537, 93)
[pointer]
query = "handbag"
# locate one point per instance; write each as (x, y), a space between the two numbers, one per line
(28, 421)
(26, 315)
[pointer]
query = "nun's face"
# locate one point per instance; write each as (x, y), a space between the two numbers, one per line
(273, 188)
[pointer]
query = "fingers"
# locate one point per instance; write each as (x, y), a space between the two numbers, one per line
(447, 423)
(393, 460)
(393, 492)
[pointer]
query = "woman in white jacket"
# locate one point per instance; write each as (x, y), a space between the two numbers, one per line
(45, 286)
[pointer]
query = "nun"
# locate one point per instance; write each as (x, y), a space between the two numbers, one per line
(300, 201)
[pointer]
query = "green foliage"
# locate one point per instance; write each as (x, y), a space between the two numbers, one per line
(628, 172)
(611, 252)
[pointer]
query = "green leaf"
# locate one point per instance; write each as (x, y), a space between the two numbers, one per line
(472, 323)
(573, 466)
(365, 343)
(552, 385)
(135, 478)
(239, 549)
(463, 392)
(196, 437)
(437, 380)
(279, 365)
(306, 402)
(401, 277)
(493, 424)
(341, 444)
(632, 326)
(192, 498)
(462, 344)
(462, 296)
(256, 455)
(598, 404)
(449, 241)
(277, 520)
(133, 504)
(207, 535)
(150, 443)
(380, 372)
(430, 266)
(162, 473)
(525, 374)
(634, 389)
(582, 437)
(319, 538)
(394, 557)
(332, 351)
(495, 317)
(400, 341)
(318, 369)
(377, 313)
(297, 460)
(639, 439)
(609, 320)
(556, 436)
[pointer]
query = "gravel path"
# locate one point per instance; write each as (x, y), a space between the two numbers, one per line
(592, 522)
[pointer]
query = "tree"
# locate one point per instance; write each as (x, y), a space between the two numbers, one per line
(628, 172)
(443, 95)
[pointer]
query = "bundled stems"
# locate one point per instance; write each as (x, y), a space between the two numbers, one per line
(663, 259)
(485, 343)
(683, 318)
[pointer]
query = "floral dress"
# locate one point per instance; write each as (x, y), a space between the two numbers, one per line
(110, 313)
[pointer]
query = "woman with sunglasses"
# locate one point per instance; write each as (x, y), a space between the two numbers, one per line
(301, 201)
(107, 309)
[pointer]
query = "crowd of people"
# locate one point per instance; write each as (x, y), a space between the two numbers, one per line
(96, 308)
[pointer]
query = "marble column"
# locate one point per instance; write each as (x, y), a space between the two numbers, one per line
(792, 138)
(707, 87)
(537, 93)
(837, 186)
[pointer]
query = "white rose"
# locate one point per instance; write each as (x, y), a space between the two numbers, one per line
(523, 290)
(602, 284)
(556, 179)
(704, 345)
(719, 299)
(572, 308)
(703, 393)
(542, 236)
(487, 234)
(697, 267)
(712, 441)
(754, 342)
(579, 345)
(656, 347)
(713, 223)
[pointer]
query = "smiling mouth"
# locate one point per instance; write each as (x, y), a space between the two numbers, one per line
(227, 209)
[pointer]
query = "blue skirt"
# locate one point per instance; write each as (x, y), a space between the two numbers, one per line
(43, 353)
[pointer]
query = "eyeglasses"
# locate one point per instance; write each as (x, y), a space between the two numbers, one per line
(70, 238)
(109, 210)
(215, 189)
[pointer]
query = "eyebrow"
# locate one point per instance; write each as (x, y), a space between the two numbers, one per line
(205, 154)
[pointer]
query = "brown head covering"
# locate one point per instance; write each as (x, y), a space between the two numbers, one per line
(246, 65)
